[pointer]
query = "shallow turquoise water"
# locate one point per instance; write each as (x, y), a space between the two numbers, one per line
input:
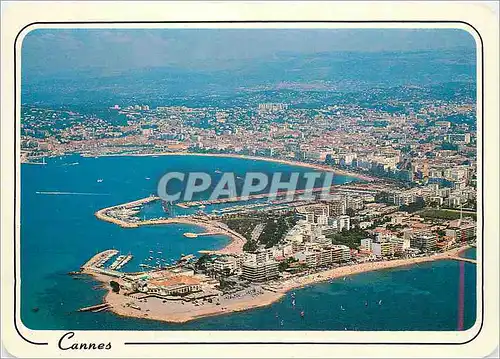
(60, 232)
(470, 253)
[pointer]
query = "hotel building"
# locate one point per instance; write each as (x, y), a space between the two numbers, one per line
(423, 241)
(260, 272)
(383, 249)
(462, 230)
(366, 244)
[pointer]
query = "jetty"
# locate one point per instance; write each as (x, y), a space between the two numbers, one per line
(196, 235)
(335, 188)
(95, 308)
(120, 262)
(99, 259)
(463, 259)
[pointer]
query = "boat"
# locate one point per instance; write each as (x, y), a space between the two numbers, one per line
(218, 171)
(366, 303)
(342, 308)
(302, 314)
(99, 180)
(147, 178)
(380, 302)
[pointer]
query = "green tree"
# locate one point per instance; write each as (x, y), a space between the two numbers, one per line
(115, 286)
(250, 246)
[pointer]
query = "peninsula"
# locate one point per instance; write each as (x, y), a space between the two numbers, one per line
(131, 303)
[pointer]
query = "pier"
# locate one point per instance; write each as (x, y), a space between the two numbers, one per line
(96, 264)
(196, 235)
(99, 259)
(335, 188)
(95, 308)
(103, 213)
(120, 262)
(458, 258)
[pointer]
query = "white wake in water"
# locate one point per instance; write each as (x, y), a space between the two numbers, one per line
(73, 193)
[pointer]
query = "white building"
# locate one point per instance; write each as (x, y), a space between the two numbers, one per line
(225, 263)
(400, 244)
(383, 249)
(345, 252)
(340, 223)
(261, 255)
(283, 250)
(344, 222)
(260, 272)
(322, 220)
(366, 244)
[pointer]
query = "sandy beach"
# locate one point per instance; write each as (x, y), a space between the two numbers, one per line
(176, 312)
(319, 167)
(366, 267)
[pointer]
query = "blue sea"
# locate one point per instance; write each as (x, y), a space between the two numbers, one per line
(59, 232)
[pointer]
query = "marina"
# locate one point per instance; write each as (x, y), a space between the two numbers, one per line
(120, 262)
(172, 245)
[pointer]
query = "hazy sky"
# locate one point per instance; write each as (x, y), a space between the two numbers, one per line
(51, 51)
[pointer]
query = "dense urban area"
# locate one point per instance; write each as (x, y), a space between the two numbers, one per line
(420, 201)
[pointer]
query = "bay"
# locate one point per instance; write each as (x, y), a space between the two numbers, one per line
(59, 232)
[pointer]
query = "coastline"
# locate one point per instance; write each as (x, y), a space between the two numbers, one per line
(319, 167)
(175, 312)
(235, 245)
